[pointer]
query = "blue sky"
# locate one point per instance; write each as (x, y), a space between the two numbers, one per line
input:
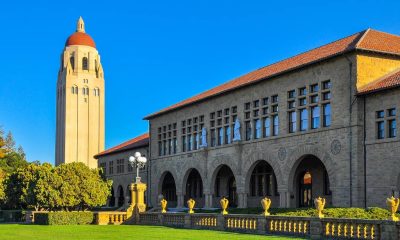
(156, 53)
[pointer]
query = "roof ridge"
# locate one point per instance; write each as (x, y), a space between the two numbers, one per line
(380, 79)
(362, 37)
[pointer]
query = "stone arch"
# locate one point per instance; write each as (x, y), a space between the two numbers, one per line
(168, 188)
(309, 178)
(226, 184)
(120, 196)
(254, 158)
(194, 183)
(214, 167)
(295, 158)
(111, 201)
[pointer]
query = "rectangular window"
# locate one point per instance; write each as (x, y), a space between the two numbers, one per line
(265, 101)
(165, 147)
(275, 108)
(380, 114)
(227, 135)
(392, 128)
(275, 130)
(220, 136)
(234, 109)
(326, 85)
(292, 94)
(103, 167)
(247, 106)
(255, 113)
(189, 142)
(303, 119)
(175, 144)
(327, 114)
(256, 103)
(257, 129)
(302, 101)
(184, 144)
(302, 91)
(292, 122)
(169, 146)
(380, 130)
(275, 99)
(130, 168)
(326, 96)
(267, 127)
(248, 130)
(111, 167)
(314, 88)
(314, 99)
(212, 137)
(292, 104)
(195, 141)
(392, 112)
(159, 148)
(315, 117)
(265, 110)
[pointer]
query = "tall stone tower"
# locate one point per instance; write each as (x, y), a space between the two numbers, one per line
(80, 101)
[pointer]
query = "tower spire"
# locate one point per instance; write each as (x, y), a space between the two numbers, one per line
(80, 26)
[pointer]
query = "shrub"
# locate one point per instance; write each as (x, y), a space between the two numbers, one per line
(360, 213)
(64, 218)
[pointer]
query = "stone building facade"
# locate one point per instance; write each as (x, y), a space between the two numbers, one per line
(321, 123)
(80, 101)
(114, 163)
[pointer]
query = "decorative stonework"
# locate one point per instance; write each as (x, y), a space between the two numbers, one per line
(282, 153)
(336, 147)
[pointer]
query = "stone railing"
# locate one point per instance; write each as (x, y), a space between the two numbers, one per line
(350, 228)
(203, 220)
(110, 218)
(295, 226)
(307, 227)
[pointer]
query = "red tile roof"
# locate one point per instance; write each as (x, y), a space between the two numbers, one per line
(370, 40)
(388, 81)
(140, 141)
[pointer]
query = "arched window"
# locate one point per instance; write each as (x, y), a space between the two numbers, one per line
(85, 91)
(72, 62)
(85, 63)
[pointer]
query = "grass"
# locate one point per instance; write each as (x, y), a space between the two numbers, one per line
(87, 232)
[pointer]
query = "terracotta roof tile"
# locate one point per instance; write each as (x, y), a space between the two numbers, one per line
(140, 141)
(388, 81)
(366, 40)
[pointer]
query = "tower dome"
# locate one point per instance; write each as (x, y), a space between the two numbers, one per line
(80, 37)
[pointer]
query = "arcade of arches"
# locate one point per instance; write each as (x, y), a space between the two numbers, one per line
(307, 179)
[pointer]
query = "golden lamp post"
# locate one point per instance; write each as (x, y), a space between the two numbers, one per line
(138, 188)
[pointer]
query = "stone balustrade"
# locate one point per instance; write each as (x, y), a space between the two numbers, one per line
(349, 228)
(307, 227)
(110, 218)
(295, 226)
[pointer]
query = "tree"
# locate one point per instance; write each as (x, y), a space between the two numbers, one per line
(2, 144)
(21, 152)
(9, 142)
(82, 187)
(2, 186)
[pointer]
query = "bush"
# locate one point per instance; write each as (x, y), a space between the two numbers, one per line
(64, 218)
(359, 213)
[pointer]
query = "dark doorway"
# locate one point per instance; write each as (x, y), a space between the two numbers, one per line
(305, 190)
(168, 189)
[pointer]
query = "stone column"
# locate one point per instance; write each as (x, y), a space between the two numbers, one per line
(137, 202)
(284, 199)
(180, 198)
(208, 200)
(242, 200)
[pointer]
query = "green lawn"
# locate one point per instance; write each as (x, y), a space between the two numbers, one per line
(125, 232)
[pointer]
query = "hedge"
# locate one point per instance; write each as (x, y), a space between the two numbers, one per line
(64, 218)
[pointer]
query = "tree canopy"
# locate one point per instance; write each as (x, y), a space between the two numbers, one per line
(10, 158)
(70, 186)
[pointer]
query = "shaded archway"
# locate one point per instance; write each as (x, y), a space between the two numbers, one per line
(311, 180)
(225, 186)
(194, 188)
(121, 196)
(168, 189)
(111, 200)
(261, 182)
(128, 194)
